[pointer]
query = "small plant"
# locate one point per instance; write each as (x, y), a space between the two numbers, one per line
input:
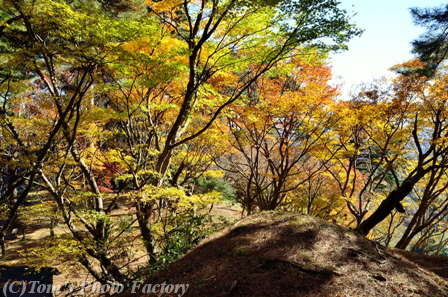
(199, 282)
(242, 250)
(329, 268)
(177, 241)
(296, 222)
(306, 256)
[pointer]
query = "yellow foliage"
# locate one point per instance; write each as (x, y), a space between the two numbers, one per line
(214, 174)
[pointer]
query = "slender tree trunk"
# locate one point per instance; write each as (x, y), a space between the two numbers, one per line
(144, 211)
(23, 232)
(408, 234)
(2, 246)
(52, 223)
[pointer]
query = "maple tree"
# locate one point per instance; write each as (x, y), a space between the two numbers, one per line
(427, 131)
(160, 105)
(102, 99)
(219, 49)
(52, 52)
(221, 37)
(371, 141)
(317, 196)
(161, 108)
(276, 131)
(431, 207)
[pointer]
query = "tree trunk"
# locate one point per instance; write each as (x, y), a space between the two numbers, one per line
(388, 205)
(409, 234)
(144, 221)
(2, 246)
(23, 233)
(52, 223)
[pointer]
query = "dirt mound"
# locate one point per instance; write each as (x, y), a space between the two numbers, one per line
(286, 254)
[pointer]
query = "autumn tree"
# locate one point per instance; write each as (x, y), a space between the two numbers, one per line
(223, 35)
(209, 54)
(105, 96)
(53, 51)
(276, 132)
(427, 131)
(370, 141)
(431, 207)
(317, 195)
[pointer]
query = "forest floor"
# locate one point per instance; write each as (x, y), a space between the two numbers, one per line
(436, 264)
(21, 252)
(288, 254)
(279, 254)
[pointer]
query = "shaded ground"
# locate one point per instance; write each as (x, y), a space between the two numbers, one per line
(295, 255)
(436, 264)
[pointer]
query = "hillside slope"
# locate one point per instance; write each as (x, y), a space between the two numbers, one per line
(288, 254)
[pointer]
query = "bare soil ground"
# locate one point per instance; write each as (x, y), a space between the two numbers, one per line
(287, 254)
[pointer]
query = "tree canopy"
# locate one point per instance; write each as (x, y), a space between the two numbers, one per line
(124, 122)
